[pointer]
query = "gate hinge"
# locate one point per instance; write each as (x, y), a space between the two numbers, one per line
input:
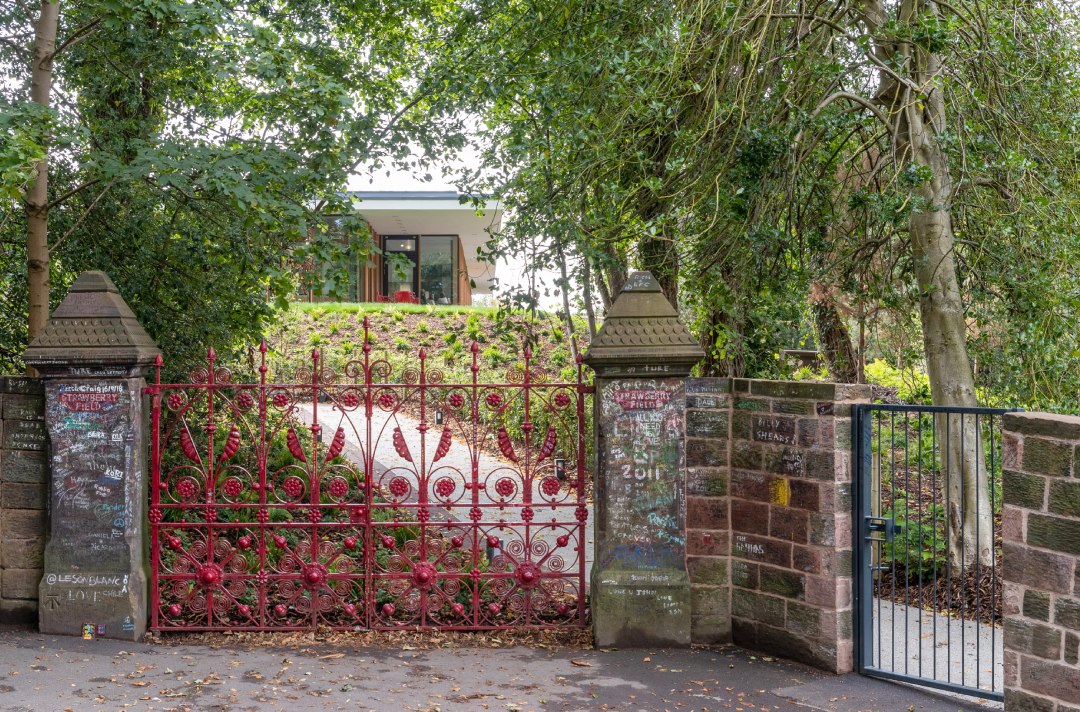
(887, 527)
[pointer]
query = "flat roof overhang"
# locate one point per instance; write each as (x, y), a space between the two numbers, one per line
(435, 213)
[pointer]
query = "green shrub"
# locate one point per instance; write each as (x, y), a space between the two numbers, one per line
(919, 544)
(494, 356)
(807, 373)
(912, 386)
(473, 328)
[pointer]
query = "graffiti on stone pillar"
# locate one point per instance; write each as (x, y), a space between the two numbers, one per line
(643, 471)
(91, 433)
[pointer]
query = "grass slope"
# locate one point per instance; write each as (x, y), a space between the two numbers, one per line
(397, 332)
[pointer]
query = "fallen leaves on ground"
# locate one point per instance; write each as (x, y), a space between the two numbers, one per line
(572, 638)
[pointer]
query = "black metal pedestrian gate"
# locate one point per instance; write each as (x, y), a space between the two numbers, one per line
(927, 490)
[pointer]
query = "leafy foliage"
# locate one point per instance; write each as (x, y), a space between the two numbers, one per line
(193, 147)
(744, 151)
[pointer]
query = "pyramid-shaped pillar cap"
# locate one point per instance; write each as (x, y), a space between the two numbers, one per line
(93, 329)
(642, 334)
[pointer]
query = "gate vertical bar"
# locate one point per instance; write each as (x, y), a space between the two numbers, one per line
(314, 515)
(993, 549)
(369, 488)
(155, 491)
(579, 488)
(209, 513)
(861, 429)
(262, 515)
(422, 484)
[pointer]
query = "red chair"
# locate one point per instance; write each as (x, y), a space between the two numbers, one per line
(404, 296)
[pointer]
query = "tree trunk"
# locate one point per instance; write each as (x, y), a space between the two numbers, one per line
(834, 342)
(37, 197)
(586, 285)
(966, 483)
(611, 277)
(658, 255)
(917, 123)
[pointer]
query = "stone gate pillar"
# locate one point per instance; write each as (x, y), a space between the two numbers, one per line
(640, 590)
(93, 356)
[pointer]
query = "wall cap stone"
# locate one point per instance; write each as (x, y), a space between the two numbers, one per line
(642, 328)
(1053, 425)
(93, 326)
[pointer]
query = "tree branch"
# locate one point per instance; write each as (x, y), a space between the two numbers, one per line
(854, 98)
(997, 186)
(70, 193)
(56, 245)
(74, 38)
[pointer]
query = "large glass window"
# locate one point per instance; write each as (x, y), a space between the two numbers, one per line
(399, 267)
(438, 269)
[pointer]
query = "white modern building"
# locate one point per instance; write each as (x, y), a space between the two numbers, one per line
(437, 232)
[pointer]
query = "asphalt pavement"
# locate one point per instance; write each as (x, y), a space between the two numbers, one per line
(39, 672)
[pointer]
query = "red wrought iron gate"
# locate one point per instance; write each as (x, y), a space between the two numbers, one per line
(373, 499)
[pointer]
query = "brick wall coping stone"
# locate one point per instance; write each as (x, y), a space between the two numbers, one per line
(1052, 425)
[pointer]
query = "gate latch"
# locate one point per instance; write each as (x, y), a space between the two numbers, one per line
(887, 527)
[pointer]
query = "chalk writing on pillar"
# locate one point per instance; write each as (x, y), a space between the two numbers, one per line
(640, 399)
(91, 431)
(643, 471)
(713, 386)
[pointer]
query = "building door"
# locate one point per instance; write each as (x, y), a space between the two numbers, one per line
(400, 275)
